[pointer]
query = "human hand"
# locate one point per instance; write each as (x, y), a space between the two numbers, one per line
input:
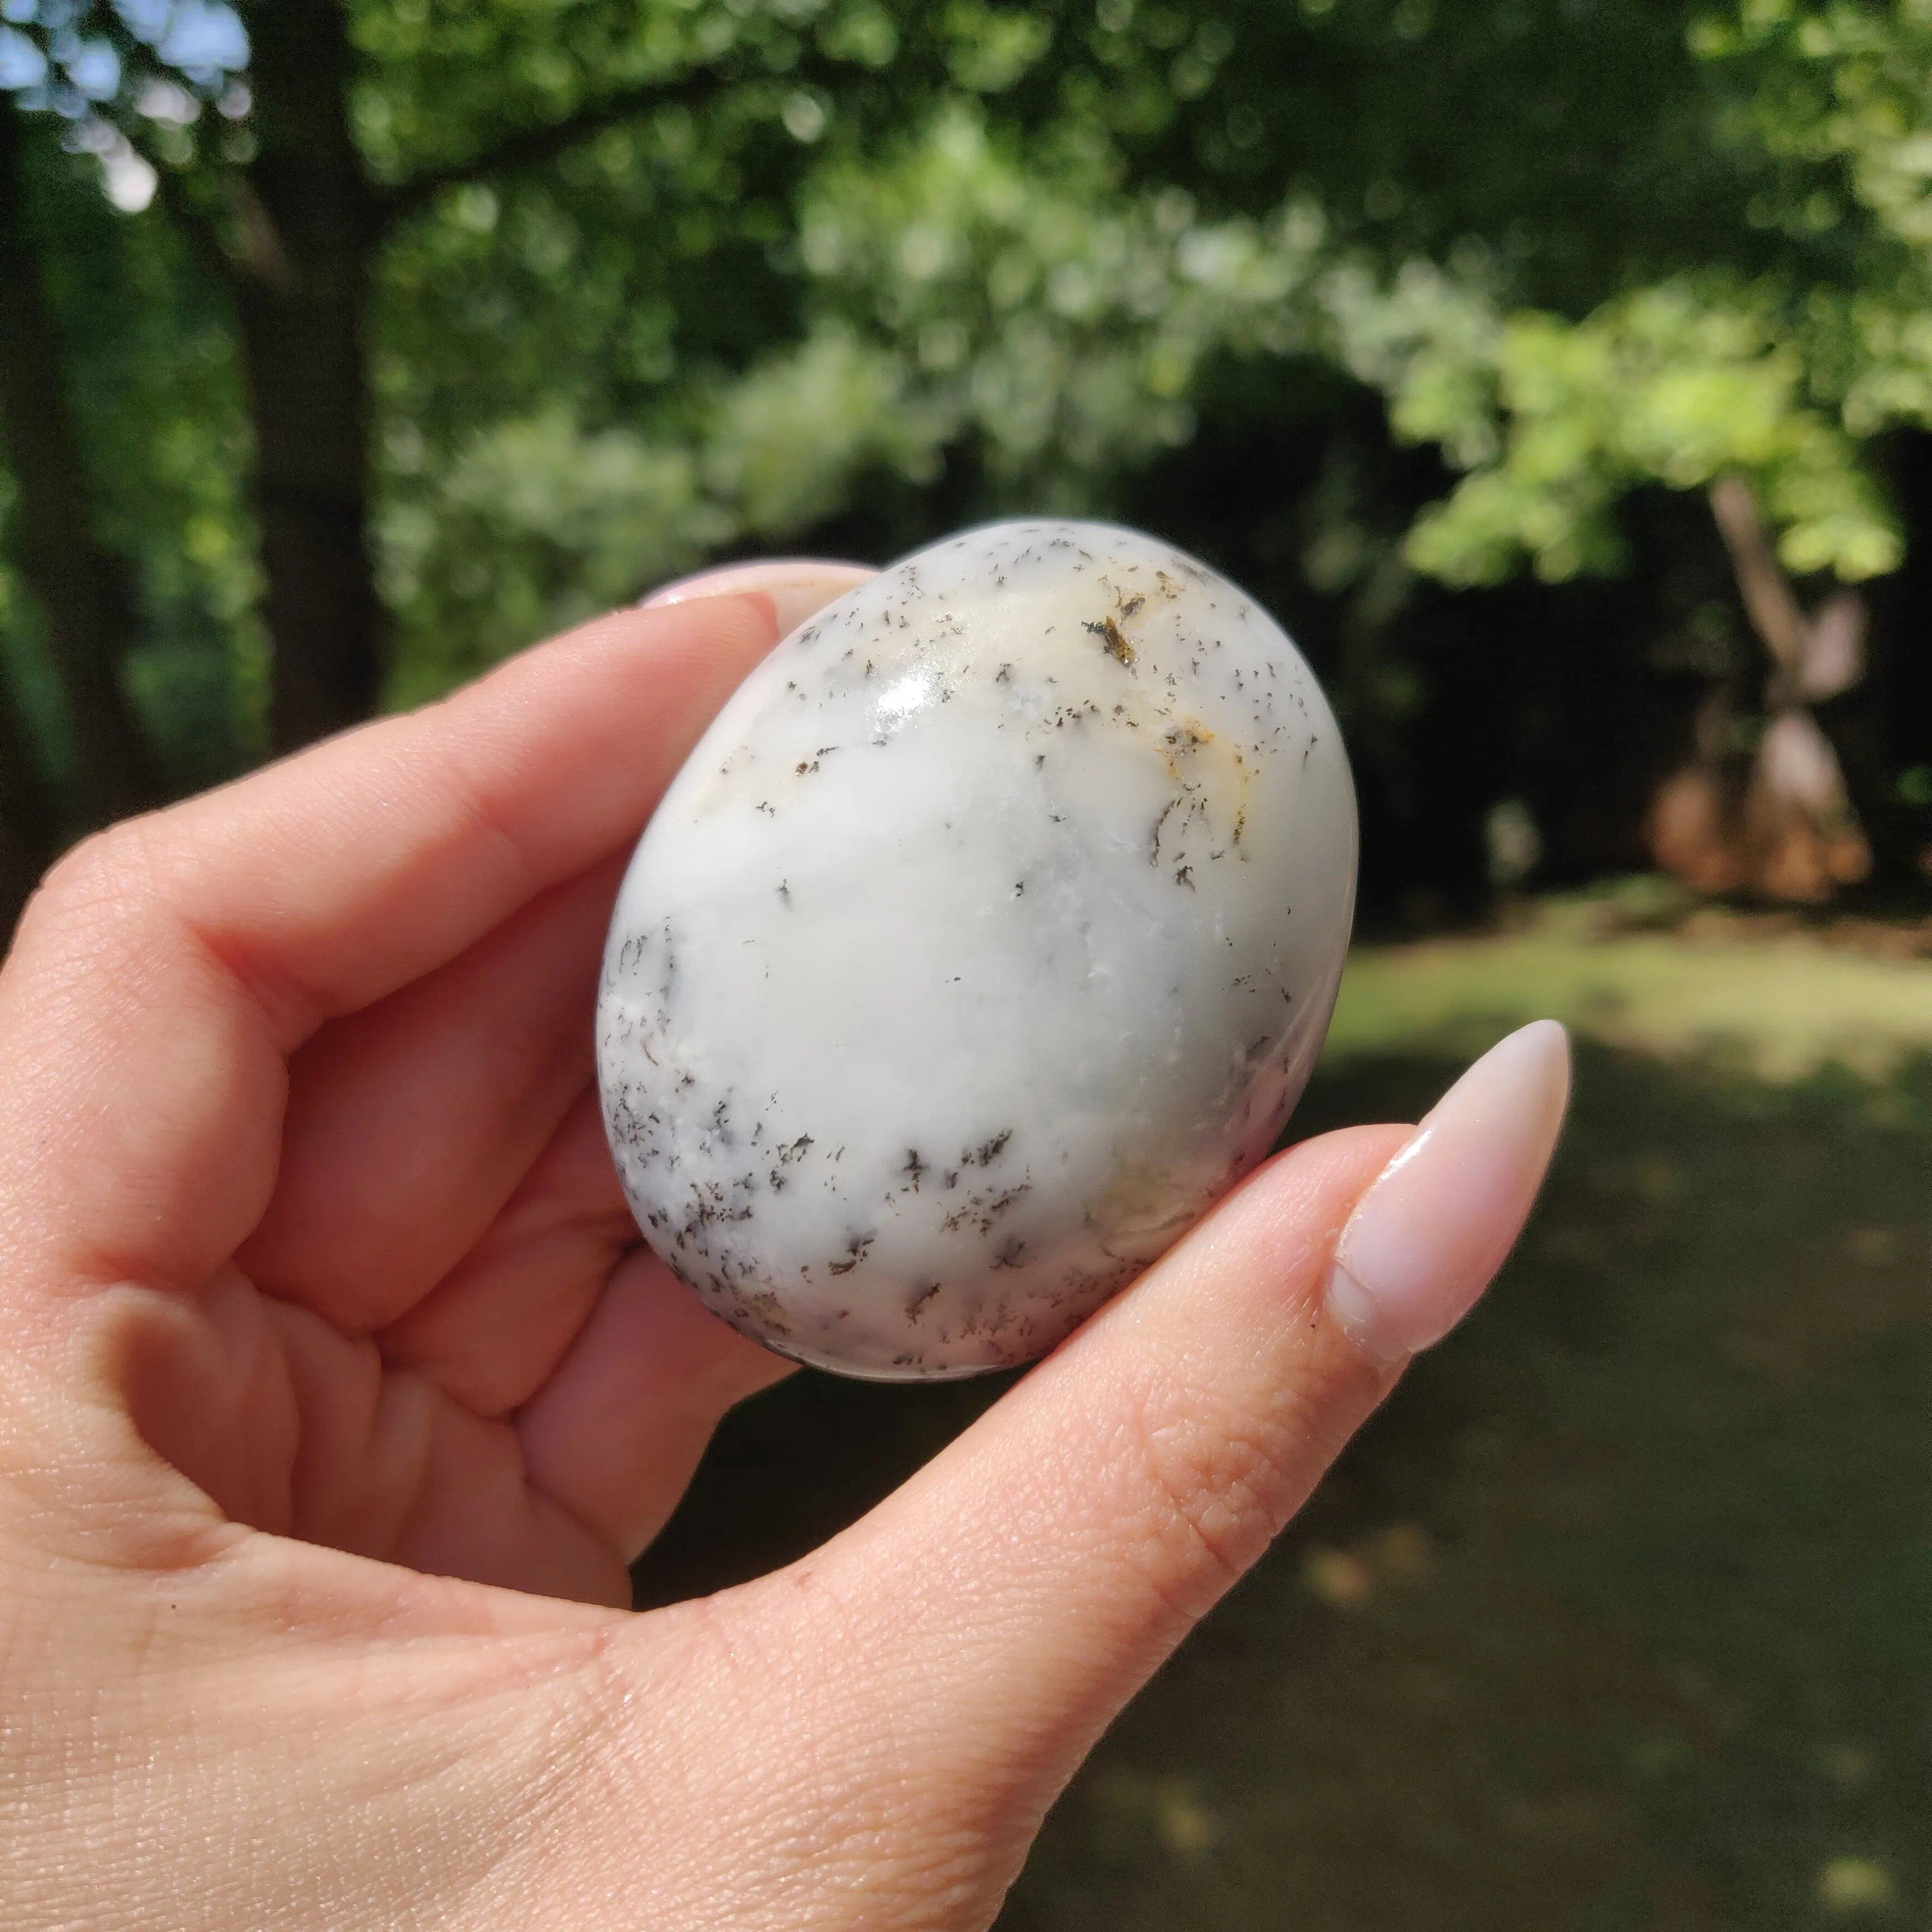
(330, 1369)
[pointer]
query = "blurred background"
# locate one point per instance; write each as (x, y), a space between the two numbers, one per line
(1560, 371)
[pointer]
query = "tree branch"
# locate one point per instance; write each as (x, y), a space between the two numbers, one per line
(535, 146)
(1766, 592)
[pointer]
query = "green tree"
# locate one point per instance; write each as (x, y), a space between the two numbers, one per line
(84, 588)
(528, 306)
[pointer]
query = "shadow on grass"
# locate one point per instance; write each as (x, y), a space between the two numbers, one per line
(1619, 1615)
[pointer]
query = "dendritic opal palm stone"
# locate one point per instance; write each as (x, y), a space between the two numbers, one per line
(987, 937)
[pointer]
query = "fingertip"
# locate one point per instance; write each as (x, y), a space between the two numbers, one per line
(797, 587)
(1433, 1228)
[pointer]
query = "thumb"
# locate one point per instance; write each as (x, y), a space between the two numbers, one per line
(994, 1615)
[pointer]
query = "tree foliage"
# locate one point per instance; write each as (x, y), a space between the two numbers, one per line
(506, 311)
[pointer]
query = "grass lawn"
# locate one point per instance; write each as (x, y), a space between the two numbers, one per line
(1620, 1614)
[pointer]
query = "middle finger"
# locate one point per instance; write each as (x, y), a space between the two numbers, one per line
(410, 1124)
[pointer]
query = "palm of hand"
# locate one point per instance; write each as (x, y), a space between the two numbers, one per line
(442, 1345)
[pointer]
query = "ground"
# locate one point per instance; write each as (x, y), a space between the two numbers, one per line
(1619, 1615)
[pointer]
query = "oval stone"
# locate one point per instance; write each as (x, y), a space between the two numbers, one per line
(987, 936)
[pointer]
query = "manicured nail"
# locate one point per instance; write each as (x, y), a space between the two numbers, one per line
(797, 586)
(1436, 1224)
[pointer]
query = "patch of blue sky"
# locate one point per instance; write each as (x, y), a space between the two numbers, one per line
(23, 64)
(95, 69)
(145, 20)
(204, 39)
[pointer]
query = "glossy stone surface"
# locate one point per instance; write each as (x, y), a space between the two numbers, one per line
(987, 937)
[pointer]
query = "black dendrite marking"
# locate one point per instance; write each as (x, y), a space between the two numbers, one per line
(856, 1246)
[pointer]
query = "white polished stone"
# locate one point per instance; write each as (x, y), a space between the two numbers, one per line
(988, 935)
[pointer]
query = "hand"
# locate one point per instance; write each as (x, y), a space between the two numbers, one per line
(330, 1369)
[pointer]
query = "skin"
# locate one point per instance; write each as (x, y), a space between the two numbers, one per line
(336, 1393)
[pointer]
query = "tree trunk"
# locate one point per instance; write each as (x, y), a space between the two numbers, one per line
(308, 231)
(85, 593)
(1789, 831)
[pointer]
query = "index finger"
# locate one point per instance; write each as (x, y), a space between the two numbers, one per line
(334, 877)
(164, 973)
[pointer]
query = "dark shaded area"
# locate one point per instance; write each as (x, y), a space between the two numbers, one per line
(1614, 1616)
(119, 657)
(85, 590)
(1883, 728)
(1569, 698)
(1574, 700)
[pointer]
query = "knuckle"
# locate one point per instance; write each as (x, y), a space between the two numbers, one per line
(107, 875)
(1213, 1496)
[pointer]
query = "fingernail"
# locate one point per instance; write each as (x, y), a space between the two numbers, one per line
(797, 586)
(1424, 1241)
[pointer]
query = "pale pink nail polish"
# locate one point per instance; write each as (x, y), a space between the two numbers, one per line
(797, 586)
(1426, 1237)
